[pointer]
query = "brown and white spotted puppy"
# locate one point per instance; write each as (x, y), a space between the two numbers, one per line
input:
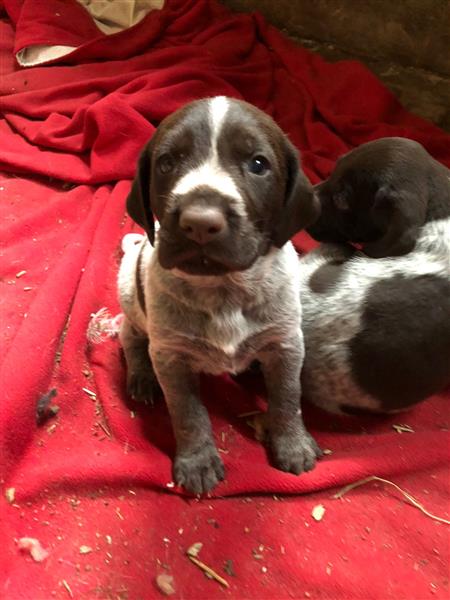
(377, 331)
(218, 287)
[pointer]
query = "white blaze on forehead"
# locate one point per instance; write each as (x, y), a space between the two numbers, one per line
(211, 173)
(218, 108)
(208, 174)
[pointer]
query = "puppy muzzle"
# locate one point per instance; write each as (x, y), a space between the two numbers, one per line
(207, 239)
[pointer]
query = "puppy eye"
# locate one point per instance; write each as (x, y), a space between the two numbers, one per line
(166, 164)
(258, 165)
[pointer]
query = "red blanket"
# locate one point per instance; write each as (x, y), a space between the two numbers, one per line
(91, 483)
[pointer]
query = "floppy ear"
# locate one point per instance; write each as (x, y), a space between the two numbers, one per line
(400, 215)
(301, 207)
(138, 201)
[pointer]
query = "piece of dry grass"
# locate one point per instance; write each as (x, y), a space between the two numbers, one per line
(192, 553)
(250, 413)
(408, 496)
(67, 587)
(105, 429)
(403, 428)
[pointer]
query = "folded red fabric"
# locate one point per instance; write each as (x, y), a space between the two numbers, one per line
(95, 476)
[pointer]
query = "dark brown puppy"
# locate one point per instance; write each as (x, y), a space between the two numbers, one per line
(380, 195)
(377, 332)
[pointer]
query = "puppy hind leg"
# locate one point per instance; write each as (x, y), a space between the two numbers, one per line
(142, 384)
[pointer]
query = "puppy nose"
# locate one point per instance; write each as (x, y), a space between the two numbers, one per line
(202, 224)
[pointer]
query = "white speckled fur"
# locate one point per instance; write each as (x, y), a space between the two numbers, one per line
(256, 314)
(330, 320)
(263, 301)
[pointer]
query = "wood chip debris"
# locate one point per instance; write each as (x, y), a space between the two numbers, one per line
(192, 553)
(165, 584)
(33, 547)
(408, 496)
(85, 549)
(10, 494)
(327, 451)
(403, 428)
(318, 512)
(90, 393)
(194, 549)
(20, 274)
(258, 424)
(229, 568)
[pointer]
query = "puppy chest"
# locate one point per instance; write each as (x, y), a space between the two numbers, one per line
(231, 340)
(218, 343)
(227, 331)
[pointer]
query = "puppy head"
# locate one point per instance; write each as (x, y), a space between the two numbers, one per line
(224, 183)
(379, 195)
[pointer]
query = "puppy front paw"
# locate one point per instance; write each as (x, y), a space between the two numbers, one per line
(199, 471)
(294, 452)
(143, 386)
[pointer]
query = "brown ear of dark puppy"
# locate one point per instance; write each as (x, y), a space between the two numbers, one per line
(138, 201)
(301, 207)
(400, 215)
